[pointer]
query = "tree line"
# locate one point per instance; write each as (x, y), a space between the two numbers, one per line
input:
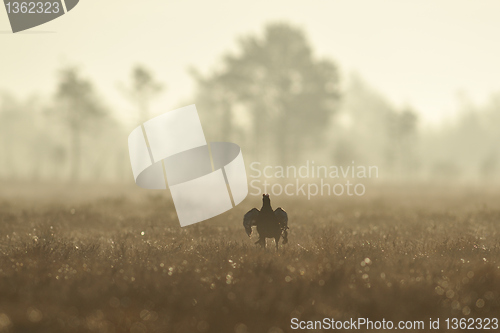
(275, 97)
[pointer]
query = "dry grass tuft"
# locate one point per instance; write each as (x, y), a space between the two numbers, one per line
(123, 264)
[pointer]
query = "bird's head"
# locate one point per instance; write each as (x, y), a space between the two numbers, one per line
(265, 200)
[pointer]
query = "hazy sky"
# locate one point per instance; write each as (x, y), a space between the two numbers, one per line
(421, 53)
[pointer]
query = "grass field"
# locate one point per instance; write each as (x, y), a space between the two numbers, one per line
(118, 261)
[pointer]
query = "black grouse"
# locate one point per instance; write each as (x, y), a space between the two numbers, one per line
(269, 223)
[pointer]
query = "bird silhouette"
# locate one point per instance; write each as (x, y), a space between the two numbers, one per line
(269, 223)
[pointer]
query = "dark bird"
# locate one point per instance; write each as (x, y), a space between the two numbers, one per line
(269, 223)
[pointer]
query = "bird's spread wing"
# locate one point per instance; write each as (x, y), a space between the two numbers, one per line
(282, 218)
(250, 219)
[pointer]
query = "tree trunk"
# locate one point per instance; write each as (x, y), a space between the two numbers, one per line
(227, 121)
(75, 154)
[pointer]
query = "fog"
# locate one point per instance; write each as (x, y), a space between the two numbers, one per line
(273, 92)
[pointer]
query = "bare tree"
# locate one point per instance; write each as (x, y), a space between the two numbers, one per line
(143, 88)
(78, 107)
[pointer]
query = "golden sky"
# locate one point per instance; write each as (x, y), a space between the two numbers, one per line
(423, 53)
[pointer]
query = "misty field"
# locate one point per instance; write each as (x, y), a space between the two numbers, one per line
(118, 261)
